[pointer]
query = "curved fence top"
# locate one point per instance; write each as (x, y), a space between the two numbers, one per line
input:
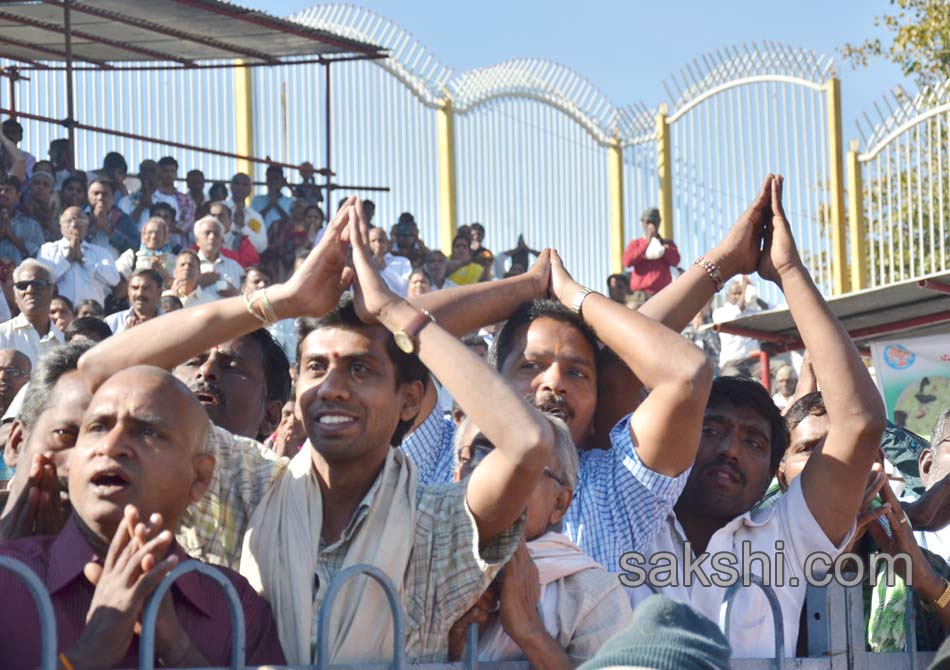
(733, 66)
(543, 80)
(408, 60)
(901, 111)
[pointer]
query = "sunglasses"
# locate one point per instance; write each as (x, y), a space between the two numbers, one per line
(37, 284)
(12, 371)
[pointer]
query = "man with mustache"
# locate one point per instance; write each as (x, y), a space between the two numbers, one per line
(139, 460)
(743, 440)
(145, 287)
(32, 331)
(349, 497)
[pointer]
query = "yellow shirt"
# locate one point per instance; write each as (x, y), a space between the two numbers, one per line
(467, 274)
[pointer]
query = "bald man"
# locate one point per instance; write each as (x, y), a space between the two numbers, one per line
(138, 462)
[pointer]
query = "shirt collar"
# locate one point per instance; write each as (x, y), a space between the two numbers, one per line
(361, 511)
(70, 552)
(20, 322)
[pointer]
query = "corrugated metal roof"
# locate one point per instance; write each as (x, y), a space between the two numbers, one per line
(182, 31)
(906, 309)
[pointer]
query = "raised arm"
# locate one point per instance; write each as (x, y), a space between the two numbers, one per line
(464, 309)
(171, 339)
(737, 254)
(666, 426)
(499, 488)
(855, 410)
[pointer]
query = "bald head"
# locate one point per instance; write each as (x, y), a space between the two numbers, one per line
(164, 398)
(141, 443)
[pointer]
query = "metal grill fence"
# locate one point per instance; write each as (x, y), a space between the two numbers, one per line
(529, 146)
(834, 618)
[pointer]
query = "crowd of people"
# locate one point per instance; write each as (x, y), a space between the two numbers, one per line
(196, 375)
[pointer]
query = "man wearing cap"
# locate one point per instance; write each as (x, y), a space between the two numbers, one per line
(650, 256)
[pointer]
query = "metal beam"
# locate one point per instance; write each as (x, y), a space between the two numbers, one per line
(932, 285)
(169, 32)
(664, 165)
(448, 194)
(259, 19)
(198, 66)
(58, 55)
(57, 29)
(839, 257)
(615, 181)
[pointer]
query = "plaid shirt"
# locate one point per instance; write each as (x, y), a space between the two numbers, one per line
(447, 572)
(619, 505)
(212, 529)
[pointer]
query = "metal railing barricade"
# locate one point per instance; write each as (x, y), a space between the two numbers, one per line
(778, 624)
(147, 644)
(43, 604)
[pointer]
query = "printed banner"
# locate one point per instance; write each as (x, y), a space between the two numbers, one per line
(913, 375)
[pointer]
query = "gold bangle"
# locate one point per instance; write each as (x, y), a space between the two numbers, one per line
(944, 598)
(64, 662)
(265, 314)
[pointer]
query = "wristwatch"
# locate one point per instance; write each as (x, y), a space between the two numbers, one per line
(944, 598)
(407, 339)
(579, 297)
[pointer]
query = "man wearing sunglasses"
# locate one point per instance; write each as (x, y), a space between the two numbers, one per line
(552, 604)
(32, 331)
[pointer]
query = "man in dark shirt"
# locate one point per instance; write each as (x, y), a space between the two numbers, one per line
(138, 462)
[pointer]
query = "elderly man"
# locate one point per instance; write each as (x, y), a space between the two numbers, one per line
(109, 226)
(138, 461)
(554, 604)
(15, 368)
(220, 275)
(244, 219)
(785, 383)
(145, 289)
(185, 280)
(357, 393)
(32, 331)
(236, 244)
(82, 271)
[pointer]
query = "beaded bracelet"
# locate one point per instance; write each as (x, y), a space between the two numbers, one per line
(713, 271)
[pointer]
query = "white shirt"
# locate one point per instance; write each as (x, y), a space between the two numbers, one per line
(20, 334)
(937, 541)
(196, 297)
(230, 271)
(81, 281)
(118, 321)
(396, 274)
(253, 227)
(127, 206)
(733, 348)
(5, 314)
(789, 521)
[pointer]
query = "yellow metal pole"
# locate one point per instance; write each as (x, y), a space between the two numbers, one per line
(448, 203)
(839, 262)
(857, 229)
(615, 178)
(664, 165)
(244, 117)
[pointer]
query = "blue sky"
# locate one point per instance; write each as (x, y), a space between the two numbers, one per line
(627, 49)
